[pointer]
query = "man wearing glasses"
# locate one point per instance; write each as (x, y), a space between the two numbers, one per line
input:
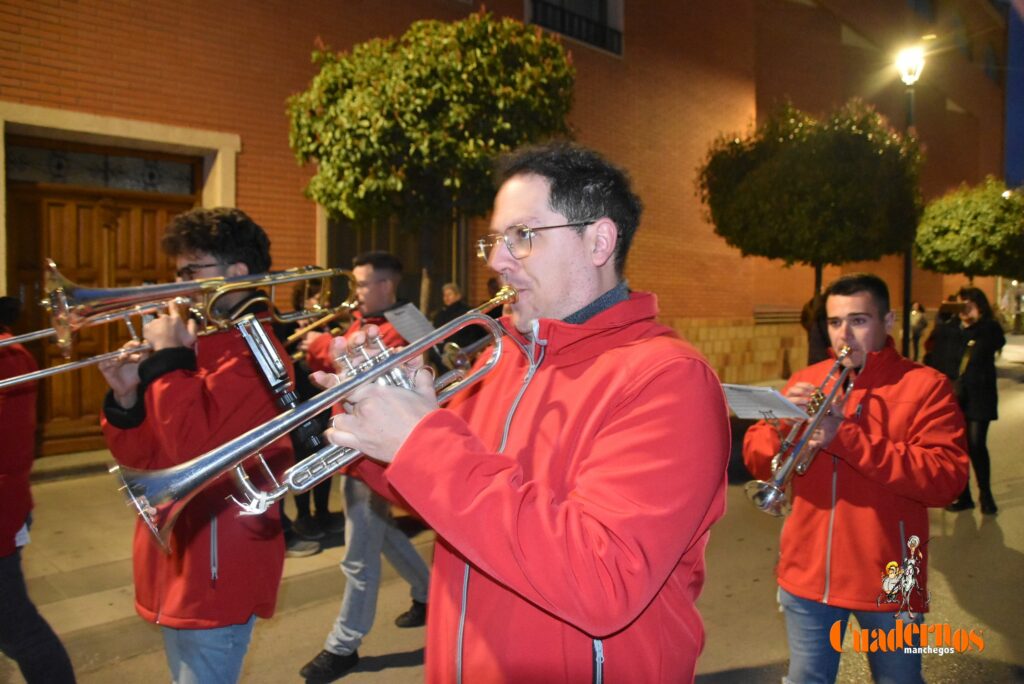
(175, 403)
(369, 527)
(572, 489)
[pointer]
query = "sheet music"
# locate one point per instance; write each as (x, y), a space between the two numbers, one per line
(754, 402)
(410, 323)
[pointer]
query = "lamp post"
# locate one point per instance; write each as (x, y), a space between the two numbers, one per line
(909, 64)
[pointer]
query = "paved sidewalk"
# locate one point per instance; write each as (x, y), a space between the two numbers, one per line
(79, 571)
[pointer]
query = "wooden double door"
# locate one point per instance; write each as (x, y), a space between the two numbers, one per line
(99, 238)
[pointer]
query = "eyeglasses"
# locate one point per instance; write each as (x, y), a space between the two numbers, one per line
(518, 239)
(188, 271)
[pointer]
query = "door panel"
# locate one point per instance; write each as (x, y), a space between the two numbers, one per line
(98, 238)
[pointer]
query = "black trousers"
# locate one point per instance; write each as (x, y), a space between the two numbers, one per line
(977, 449)
(25, 636)
(321, 494)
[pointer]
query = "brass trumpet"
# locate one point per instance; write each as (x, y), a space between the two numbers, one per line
(73, 307)
(770, 496)
(159, 496)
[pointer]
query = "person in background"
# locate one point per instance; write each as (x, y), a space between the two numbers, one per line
(303, 533)
(812, 318)
(25, 636)
(454, 307)
(918, 324)
(370, 528)
(981, 338)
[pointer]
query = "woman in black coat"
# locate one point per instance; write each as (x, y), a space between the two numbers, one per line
(981, 339)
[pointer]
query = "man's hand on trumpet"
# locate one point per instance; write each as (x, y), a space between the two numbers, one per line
(802, 394)
(378, 418)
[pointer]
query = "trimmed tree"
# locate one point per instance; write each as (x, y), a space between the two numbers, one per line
(974, 230)
(409, 127)
(814, 192)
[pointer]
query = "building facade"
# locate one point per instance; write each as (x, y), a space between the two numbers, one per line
(203, 85)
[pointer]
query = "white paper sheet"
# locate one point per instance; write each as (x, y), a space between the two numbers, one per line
(754, 402)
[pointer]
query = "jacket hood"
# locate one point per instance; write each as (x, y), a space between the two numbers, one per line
(618, 325)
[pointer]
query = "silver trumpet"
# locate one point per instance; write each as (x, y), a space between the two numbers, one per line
(159, 496)
(794, 455)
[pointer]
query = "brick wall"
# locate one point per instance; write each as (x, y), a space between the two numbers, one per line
(689, 71)
(741, 351)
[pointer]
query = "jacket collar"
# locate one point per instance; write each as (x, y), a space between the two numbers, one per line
(619, 324)
(884, 358)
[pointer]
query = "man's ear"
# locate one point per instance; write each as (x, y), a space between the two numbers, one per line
(604, 238)
(890, 321)
(239, 268)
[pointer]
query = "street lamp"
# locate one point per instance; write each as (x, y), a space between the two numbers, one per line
(909, 64)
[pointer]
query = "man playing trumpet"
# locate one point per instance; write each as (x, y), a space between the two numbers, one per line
(175, 403)
(890, 449)
(573, 488)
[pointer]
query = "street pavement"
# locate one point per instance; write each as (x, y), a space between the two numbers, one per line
(78, 568)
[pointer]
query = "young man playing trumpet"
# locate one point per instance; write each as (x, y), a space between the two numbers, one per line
(573, 488)
(166, 407)
(892, 446)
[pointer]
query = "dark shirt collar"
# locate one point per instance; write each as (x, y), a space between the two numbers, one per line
(617, 294)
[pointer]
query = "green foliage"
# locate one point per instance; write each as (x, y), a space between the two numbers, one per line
(410, 127)
(814, 192)
(976, 231)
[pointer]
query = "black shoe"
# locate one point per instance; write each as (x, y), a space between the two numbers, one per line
(960, 504)
(331, 523)
(307, 528)
(327, 666)
(414, 617)
(988, 504)
(297, 547)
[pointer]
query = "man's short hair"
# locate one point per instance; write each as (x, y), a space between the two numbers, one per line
(226, 234)
(855, 283)
(10, 310)
(381, 262)
(584, 187)
(453, 287)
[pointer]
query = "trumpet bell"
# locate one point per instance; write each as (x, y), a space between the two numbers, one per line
(767, 497)
(158, 496)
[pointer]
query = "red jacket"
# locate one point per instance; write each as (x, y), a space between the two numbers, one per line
(223, 567)
(900, 451)
(580, 532)
(18, 420)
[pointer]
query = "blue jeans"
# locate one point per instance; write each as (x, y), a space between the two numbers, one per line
(812, 660)
(370, 531)
(207, 656)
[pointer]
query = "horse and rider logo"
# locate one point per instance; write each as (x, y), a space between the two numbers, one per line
(899, 582)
